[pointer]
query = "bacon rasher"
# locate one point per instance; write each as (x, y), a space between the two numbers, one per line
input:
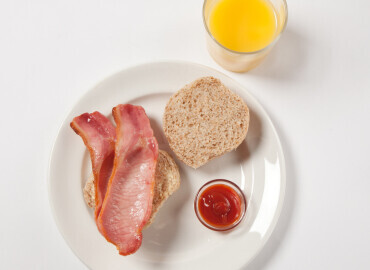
(99, 136)
(128, 200)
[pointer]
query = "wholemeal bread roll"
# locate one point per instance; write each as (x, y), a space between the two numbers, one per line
(204, 120)
(89, 191)
(167, 181)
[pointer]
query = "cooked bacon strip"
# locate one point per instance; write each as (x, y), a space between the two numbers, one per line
(99, 135)
(128, 202)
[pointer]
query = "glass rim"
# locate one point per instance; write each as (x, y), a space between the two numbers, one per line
(270, 45)
(236, 188)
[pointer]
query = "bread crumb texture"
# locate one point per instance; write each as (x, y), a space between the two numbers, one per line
(89, 191)
(204, 120)
(167, 181)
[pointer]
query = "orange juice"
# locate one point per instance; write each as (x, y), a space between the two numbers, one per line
(243, 25)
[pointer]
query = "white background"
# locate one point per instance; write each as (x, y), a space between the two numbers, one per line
(315, 85)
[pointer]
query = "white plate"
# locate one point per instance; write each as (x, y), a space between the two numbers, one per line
(176, 240)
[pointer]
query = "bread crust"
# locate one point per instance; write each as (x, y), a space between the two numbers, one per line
(204, 120)
(167, 181)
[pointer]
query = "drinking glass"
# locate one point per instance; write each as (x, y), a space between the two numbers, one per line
(242, 61)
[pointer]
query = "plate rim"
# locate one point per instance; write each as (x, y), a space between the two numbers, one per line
(280, 203)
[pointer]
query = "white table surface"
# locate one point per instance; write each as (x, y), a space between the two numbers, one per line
(315, 85)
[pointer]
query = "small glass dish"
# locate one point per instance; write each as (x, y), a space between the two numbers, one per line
(229, 185)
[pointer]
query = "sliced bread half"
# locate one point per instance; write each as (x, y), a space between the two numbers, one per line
(204, 120)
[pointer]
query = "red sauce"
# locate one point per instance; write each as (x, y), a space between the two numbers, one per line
(219, 205)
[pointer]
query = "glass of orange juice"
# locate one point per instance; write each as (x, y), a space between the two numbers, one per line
(240, 33)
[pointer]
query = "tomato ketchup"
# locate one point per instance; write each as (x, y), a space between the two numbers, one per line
(220, 206)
